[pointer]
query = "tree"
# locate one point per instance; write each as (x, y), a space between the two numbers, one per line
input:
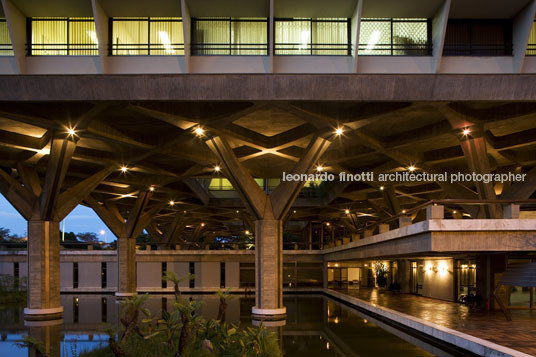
(68, 237)
(4, 234)
(88, 237)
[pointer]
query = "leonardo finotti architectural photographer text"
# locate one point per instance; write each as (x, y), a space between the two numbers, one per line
(407, 177)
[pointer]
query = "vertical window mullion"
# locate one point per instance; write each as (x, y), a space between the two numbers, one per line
(391, 20)
(67, 39)
(148, 36)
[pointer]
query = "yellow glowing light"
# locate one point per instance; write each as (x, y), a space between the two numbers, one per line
(347, 211)
(172, 203)
(199, 131)
(124, 169)
(71, 131)
(327, 224)
(454, 212)
(217, 168)
(247, 232)
(202, 224)
(404, 211)
(294, 211)
(382, 188)
(151, 188)
(412, 168)
(339, 131)
(429, 268)
(466, 131)
(319, 168)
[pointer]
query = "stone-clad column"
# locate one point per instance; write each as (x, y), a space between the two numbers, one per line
(126, 252)
(43, 270)
(269, 268)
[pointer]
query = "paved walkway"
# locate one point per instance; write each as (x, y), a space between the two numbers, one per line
(519, 334)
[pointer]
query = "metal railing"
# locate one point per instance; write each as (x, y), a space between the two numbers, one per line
(313, 49)
(393, 49)
(61, 49)
(471, 49)
(229, 49)
(146, 49)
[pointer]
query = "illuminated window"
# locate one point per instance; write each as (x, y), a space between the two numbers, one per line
(143, 36)
(62, 36)
(230, 36)
(395, 37)
(531, 49)
(223, 184)
(6, 49)
(322, 36)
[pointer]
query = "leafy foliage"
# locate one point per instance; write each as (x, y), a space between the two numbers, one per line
(381, 274)
(183, 332)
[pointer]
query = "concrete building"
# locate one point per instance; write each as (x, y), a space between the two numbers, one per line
(188, 120)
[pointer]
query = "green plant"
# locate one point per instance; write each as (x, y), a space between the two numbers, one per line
(225, 296)
(171, 276)
(381, 274)
(32, 344)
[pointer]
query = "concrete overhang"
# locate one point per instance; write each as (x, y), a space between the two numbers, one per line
(441, 237)
(269, 87)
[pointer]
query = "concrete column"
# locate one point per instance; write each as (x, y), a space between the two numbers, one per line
(511, 212)
(383, 228)
(404, 221)
(126, 251)
(269, 270)
(435, 212)
(43, 271)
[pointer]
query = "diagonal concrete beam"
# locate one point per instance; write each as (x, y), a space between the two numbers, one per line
(69, 199)
(61, 152)
(19, 196)
(198, 190)
(521, 190)
(29, 178)
(110, 219)
(286, 192)
(476, 155)
(253, 196)
(136, 213)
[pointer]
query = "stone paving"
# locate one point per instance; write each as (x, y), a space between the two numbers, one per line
(519, 334)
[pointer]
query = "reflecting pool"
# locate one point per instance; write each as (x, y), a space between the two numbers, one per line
(315, 326)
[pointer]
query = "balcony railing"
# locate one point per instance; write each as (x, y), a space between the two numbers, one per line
(146, 49)
(531, 49)
(393, 49)
(6, 49)
(229, 49)
(470, 49)
(61, 49)
(316, 49)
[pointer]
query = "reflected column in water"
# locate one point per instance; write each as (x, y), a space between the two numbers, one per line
(47, 333)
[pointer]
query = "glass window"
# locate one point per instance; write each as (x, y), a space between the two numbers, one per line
(143, 36)
(67, 36)
(6, 49)
(531, 49)
(480, 37)
(322, 36)
(230, 36)
(395, 37)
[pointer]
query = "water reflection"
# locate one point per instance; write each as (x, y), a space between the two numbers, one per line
(315, 326)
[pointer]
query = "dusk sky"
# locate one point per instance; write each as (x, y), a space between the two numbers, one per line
(81, 219)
